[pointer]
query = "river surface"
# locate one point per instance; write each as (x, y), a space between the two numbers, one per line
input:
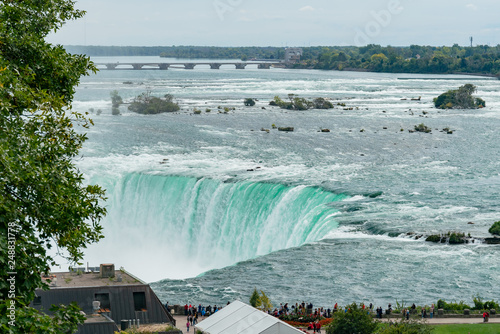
(209, 207)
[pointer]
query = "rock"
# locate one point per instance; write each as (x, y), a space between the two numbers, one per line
(286, 129)
(492, 241)
(325, 130)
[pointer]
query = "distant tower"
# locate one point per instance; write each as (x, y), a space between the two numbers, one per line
(471, 40)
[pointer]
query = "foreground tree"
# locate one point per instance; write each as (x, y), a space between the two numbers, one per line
(355, 320)
(43, 199)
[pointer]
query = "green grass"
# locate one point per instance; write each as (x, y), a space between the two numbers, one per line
(469, 328)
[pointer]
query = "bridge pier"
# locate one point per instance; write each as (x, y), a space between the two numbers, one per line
(240, 66)
(215, 66)
(163, 66)
(111, 66)
(137, 66)
(265, 66)
(189, 66)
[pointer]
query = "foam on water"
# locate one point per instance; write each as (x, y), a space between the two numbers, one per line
(190, 194)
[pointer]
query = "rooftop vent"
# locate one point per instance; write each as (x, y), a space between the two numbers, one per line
(107, 270)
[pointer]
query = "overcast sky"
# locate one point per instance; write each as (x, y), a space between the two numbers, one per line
(283, 22)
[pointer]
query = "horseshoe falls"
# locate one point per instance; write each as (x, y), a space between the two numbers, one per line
(208, 224)
(207, 207)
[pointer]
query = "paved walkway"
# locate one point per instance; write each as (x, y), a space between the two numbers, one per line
(450, 321)
(181, 322)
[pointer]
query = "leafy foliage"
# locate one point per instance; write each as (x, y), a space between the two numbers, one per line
(422, 128)
(43, 199)
(454, 306)
(148, 104)
(479, 304)
(260, 301)
(299, 103)
(460, 98)
(321, 103)
(249, 102)
(495, 228)
(413, 59)
(406, 327)
(255, 299)
(266, 302)
(355, 320)
(116, 101)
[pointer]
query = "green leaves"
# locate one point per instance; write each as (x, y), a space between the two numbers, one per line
(355, 320)
(43, 199)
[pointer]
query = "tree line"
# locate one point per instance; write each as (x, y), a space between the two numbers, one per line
(189, 52)
(482, 59)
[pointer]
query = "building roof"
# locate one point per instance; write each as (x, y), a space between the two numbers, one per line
(240, 318)
(90, 279)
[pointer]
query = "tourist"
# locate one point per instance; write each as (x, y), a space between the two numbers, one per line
(187, 325)
(407, 314)
(486, 315)
(432, 311)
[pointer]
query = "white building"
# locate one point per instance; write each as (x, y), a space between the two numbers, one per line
(240, 318)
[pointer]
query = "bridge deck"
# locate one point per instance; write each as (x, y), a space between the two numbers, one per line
(187, 65)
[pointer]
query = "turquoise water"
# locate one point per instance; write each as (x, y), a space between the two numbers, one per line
(209, 207)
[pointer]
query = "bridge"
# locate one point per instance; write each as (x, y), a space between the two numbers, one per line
(187, 66)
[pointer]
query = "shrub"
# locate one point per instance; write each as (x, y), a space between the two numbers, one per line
(249, 102)
(452, 306)
(495, 228)
(405, 327)
(300, 103)
(422, 128)
(355, 320)
(460, 98)
(487, 305)
(321, 103)
(433, 238)
(147, 104)
(456, 238)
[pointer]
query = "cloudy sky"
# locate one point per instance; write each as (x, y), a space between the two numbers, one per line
(283, 22)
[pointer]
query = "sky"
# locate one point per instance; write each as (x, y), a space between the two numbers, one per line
(283, 23)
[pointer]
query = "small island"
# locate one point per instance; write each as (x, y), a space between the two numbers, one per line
(149, 105)
(460, 98)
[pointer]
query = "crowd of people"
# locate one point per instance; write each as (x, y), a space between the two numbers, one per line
(193, 313)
